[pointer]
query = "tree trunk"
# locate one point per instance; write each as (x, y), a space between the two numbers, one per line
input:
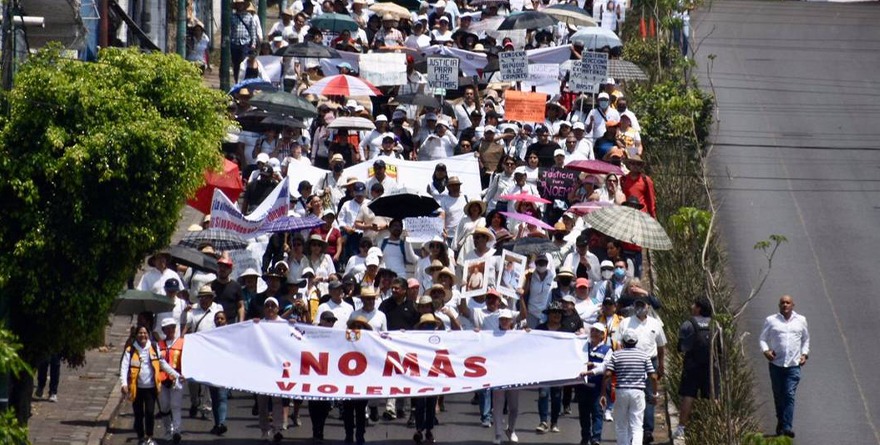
(21, 390)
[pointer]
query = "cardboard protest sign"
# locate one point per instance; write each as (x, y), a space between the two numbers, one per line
(383, 69)
(587, 73)
(556, 183)
(423, 229)
(511, 274)
(514, 65)
(443, 73)
(524, 107)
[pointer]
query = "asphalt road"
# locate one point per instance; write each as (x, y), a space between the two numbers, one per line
(459, 424)
(797, 153)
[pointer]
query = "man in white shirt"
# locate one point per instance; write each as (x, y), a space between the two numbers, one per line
(600, 115)
(155, 278)
(396, 252)
(440, 144)
(177, 313)
(340, 309)
(348, 213)
(465, 108)
(372, 144)
(389, 184)
(369, 311)
(785, 342)
(584, 145)
(652, 341)
(453, 207)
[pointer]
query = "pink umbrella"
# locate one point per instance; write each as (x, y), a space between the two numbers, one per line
(598, 167)
(584, 208)
(524, 197)
(343, 85)
(528, 219)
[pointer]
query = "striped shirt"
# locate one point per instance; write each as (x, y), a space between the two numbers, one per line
(631, 366)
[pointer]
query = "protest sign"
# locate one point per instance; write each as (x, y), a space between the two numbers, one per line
(511, 274)
(544, 77)
(443, 73)
(298, 172)
(224, 214)
(587, 73)
(423, 229)
(311, 362)
(272, 67)
(383, 69)
(555, 183)
(469, 62)
(477, 275)
(416, 175)
(514, 65)
(524, 107)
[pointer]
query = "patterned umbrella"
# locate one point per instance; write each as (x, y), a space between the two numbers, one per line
(524, 197)
(219, 238)
(626, 70)
(292, 223)
(343, 85)
(630, 225)
(528, 219)
(594, 166)
(570, 15)
(352, 122)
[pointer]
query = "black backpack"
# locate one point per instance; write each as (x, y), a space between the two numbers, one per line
(698, 354)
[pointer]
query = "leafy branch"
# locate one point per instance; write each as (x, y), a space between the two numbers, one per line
(768, 248)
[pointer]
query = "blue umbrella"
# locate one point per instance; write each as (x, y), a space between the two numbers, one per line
(253, 84)
(292, 223)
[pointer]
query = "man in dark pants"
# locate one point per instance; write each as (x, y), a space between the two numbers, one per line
(589, 411)
(699, 375)
(243, 36)
(319, 410)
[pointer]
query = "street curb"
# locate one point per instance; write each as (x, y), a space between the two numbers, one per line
(109, 413)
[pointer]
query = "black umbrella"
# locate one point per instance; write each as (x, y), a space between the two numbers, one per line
(404, 205)
(418, 99)
(252, 120)
(284, 121)
(133, 302)
(526, 20)
(308, 50)
(285, 103)
(188, 256)
(219, 238)
(529, 246)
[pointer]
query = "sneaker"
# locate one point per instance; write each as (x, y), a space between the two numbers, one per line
(411, 422)
(223, 429)
(215, 430)
(542, 427)
(648, 439)
(374, 414)
(297, 421)
(487, 423)
(39, 393)
(498, 439)
(679, 432)
(417, 437)
(512, 436)
(566, 410)
(265, 436)
(554, 428)
(277, 438)
(608, 417)
(175, 438)
(389, 415)
(53, 398)
(429, 437)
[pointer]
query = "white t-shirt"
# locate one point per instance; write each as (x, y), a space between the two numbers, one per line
(376, 318)
(649, 332)
(342, 311)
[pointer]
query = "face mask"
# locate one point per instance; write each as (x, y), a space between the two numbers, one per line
(603, 104)
(541, 269)
(338, 167)
(619, 272)
(641, 311)
(621, 108)
(565, 283)
(606, 274)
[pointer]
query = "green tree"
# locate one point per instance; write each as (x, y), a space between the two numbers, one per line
(96, 160)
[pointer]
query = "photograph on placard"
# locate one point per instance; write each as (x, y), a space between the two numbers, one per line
(511, 274)
(477, 276)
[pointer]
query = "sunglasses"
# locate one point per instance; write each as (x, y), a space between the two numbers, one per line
(511, 164)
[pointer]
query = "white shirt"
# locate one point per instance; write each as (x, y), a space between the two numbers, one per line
(396, 258)
(599, 122)
(649, 331)
(572, 261)
(342, 311)
(178, 313)
(789, 339)
(349, 212)
(587, 309)
(376, 319)
(154, 281)
(436, 147)
(454, 209)
(193, 317)
(539, 293)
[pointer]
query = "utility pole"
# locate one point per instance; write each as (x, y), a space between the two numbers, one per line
(225, 51)
(261, 12)
(181, 28)
(6, 62)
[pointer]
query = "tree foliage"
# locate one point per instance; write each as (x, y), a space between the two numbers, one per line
(11, 430)
(96, 160)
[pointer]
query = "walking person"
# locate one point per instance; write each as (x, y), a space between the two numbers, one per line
(426, 407)
(171, 398)
(699, 375)
(140, 378)
(319, 410)
(633, 368)
(49, 369)
(219, 394)
(785, 342)
(589, 411)
(510, 397)
(354, 411)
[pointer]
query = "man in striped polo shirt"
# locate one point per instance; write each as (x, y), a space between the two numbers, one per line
(632, 367)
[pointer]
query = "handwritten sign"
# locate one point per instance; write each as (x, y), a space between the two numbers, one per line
(544, 77)
(422, 229)
(555, 183)
(514, 65)
(524, 107)
(587, 73)
(383, 69)
(443, 73)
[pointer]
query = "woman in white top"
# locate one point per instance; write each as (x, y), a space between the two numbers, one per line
(501, 181)
(531, 168)
(442, 33)
(473, 218)
(319, 261)
(611, 192)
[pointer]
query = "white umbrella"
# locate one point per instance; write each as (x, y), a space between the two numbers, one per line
(595, 37)
(351, 122)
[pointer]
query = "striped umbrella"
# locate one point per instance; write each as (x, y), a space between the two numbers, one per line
(630, 225)
(570, 15)
(343, 85)
(219, 238)
(292, 223)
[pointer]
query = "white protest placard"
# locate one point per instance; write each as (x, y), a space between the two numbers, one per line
(423, 228)
(587, 73)
(383, 69)
(514, 65)
(544, 77)
(443, 73)
(272, 67)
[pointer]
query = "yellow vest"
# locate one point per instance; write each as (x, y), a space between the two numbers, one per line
(133, 371)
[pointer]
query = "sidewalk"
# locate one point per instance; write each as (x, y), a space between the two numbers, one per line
(89, 397)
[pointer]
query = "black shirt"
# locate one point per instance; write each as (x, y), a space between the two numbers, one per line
(400, 316)
(228, 295)
(544, 151)
(572, 323)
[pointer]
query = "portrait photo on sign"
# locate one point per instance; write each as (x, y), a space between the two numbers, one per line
(478, 275)
(510, 276)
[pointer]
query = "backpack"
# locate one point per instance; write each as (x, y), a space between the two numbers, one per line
(400, 244)
(698, 354)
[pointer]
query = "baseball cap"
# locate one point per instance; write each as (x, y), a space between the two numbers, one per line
(505, 313)
(565, 124)
(606, 265)
(582, 282)
(425, 299)
(328, 316)
(262, 158)
(412, 282)
(359, 187)
(271, 300)
(598, 326)
(569, 299)
(381, 118)
(489, 128)
(630, 337)
(168, 322)
(334, 284)
(372, 260)
(603, 96)
(172, 284)
(578, 126)
(558, 152)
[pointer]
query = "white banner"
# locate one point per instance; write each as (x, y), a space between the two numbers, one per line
(513, 65)
(544, 77)
(423, 228)
(471, 62)
(224, 215)
(416, 175)
(293, 360)
(329, 66)
(272, 66)
(443, 73)
(383, 69)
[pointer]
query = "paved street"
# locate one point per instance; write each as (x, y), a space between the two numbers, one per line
(797, 154)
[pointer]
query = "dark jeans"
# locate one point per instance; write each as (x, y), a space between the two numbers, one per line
(239, 52)
(650, 403)
(50, 368)
(218, 403)
(144, 406)
(319, 410)
(590, 413)
(354, 417)
(784, 382)
(426, 409)
(549, 403)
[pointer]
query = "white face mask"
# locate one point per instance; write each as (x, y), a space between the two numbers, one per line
(606, 274)
(541, 269)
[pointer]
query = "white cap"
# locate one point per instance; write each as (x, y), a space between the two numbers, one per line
(440, 4)
(168, 322)
(505, 313)
(262, 157)
(372, 260)
(598, 326)
(610, 81)
(605, 264)
(351, 103)
(489, 128)
(520, 169)
(381, 118)
(271, 300)
(307, 270)
(443, 18)
(603, 95)
(578, 126)
(566, 123)
(559, 152)
(375, 251)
